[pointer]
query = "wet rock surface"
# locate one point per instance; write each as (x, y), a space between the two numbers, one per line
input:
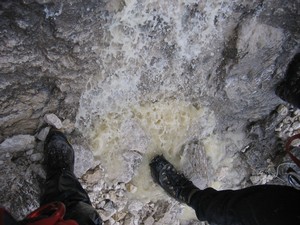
(193, 80)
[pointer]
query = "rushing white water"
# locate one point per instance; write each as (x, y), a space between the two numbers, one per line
(157, 58)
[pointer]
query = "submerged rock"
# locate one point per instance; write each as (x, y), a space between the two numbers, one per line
(84, 160)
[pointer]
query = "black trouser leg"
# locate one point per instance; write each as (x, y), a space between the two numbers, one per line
(257, 205)
(66, 188)
(288, 90)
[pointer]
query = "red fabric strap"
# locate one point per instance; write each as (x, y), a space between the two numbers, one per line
(55, 209)
(288, 148)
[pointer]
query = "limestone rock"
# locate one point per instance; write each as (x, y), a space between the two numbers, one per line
(36, 157)
(43, 134)
(296, 125)
(261, 179)
(101, 204)
(108, 211)
(149, 221)
(43, 1)
(130, 220)
(93, 176)
(83, 159)
(23, 180)
(138, 141)
(68, 126)
(29, 152)
(135, 206)
(119, 216)
(296, 143)
(53, 120)
(131, 188)
(132, 160)
(17, 143)
(282, 110)
(297, 112)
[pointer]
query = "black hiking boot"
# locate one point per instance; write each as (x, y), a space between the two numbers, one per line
(289, 89)
(59, 154)
(174, 183)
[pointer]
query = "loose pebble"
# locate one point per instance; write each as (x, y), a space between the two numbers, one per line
(149, 221)
(53, 120)
(131, 188)
(43, 134)
(282, 110)
(296, 125)
(36, 157)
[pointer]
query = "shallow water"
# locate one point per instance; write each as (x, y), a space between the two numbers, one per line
(166, 75)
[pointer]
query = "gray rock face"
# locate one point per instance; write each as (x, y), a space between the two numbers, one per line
(20, 190)
(21, 174)
(146, 77)
(33, 81)
(17, 143)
